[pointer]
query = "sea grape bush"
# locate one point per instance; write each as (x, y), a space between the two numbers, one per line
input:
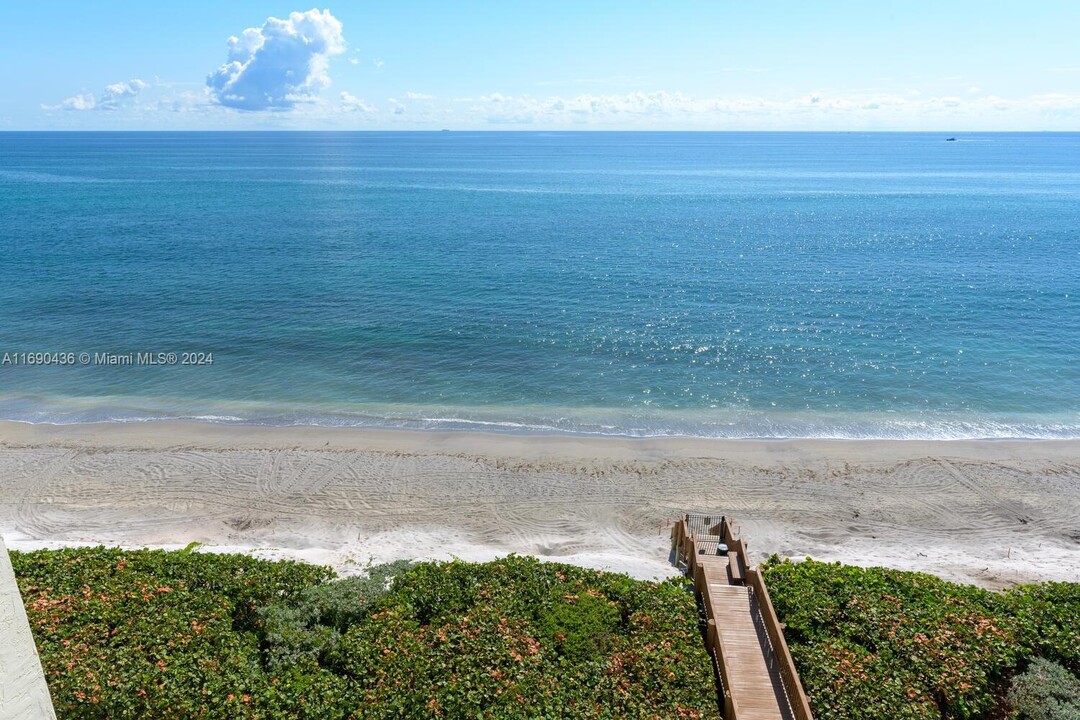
(465, 640)
(1048, 620)
(874, 643)
(153, 634)
(493, 631)
(581, 626)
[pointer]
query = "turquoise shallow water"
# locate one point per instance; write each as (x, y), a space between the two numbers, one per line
(729, 285)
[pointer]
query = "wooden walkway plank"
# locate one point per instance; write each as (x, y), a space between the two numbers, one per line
(758, 677)
(752, 682)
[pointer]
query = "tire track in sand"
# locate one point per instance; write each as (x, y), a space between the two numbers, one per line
(277, 479)
(1016, 509)
(28, 515)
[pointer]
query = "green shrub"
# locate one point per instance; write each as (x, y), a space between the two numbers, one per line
(308, 627)
(1045, 691)
(471, 640)
(152, 634)
(580, 625)
(873, 643)
(1048, 618)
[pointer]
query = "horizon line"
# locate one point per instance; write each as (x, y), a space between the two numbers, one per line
(546, 131)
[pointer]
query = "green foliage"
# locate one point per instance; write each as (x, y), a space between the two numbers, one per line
(309, 626)
(876, 643)
(1046, 691)
(155, 634)
(151, 634)
(190, 547)
(1048, 618)
(461, 640)
(579, 625)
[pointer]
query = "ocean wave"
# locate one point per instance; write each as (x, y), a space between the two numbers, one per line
(730, 424)
(24, 176)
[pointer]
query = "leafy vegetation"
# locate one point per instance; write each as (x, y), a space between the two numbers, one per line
(875, 643)
(309, 625)
(1045, 691)
(153, 634)
(580, 626)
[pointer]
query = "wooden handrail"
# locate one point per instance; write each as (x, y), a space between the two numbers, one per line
(727, 532)
(800, 705)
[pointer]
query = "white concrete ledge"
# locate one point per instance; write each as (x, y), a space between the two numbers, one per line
(23, 692)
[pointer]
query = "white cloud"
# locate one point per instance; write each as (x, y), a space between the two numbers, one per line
(418, 96)
(280, 64)
(351, 103)
(84, 101)
(592, 109)
(1056, 103)
(110, 98)
(378, 63)
(187, 102)
(354, 61)
(817, 110)
(396, 107)
(130, 88)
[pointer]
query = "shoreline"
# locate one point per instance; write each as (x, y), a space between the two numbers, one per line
(993, 512)
(535, 421)
(174, 434)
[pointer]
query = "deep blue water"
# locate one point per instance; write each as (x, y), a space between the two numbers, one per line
(737, 285)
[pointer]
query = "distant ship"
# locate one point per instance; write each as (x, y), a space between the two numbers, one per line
(950, 139)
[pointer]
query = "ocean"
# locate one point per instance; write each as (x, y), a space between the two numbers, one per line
(764, 285)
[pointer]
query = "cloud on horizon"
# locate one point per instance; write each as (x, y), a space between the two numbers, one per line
(817, 109)
(110, 99)
(280, 64)
(351, 103)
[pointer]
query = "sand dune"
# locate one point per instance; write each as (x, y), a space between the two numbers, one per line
(989, 512)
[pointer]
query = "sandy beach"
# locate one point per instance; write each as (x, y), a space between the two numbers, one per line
(994, 513)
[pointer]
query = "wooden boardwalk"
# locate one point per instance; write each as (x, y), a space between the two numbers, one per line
(757, 678)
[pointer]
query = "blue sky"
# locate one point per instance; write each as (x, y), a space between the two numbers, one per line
(776, 64)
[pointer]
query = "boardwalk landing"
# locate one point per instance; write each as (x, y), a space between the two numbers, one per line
(758, 680)
(23, 693)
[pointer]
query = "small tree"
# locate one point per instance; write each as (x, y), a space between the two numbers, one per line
(1045, 691)
(310, 626)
